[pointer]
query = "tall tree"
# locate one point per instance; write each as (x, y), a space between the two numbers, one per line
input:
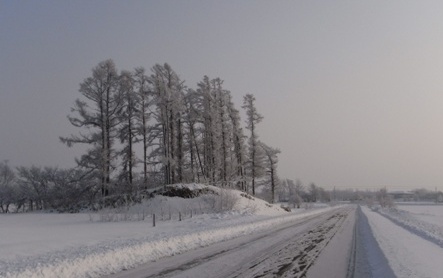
(313, 192)
(193, 121)
(208, 115)
(295, 192)
(238, 143)
(221, 134)
(99, 115)
(222, 129)
(254, 154)
(7, 186)
(128, 131)
(142, 90)
(271, 161)
(168, 94)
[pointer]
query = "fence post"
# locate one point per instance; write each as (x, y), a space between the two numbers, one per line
(153, 220)
(179, 216)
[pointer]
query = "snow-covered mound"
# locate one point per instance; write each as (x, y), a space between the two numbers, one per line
(71, 245)
(245, 203)
(209, 199)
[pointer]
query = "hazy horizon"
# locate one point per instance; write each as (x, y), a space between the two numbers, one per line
(351, 92)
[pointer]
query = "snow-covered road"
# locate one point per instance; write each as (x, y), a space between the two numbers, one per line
(286, 251)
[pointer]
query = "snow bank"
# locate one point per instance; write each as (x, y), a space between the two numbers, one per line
(408, 255)
(421, 228)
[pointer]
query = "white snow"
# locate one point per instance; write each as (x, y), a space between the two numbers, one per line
(430, 213)
(70, 245)
(409, 254)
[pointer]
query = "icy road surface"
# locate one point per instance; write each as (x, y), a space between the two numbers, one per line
(287, 251)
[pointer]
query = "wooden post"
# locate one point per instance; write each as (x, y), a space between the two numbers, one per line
(153, 220)
(179, 216)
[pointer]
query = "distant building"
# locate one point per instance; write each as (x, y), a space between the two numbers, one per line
(402, 196)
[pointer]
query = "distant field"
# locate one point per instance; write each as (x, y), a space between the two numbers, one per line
(432, 214)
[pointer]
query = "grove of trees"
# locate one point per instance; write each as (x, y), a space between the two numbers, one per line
(144, 130)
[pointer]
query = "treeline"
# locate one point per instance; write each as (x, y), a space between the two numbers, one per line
(295, 193)
(44, 188)
(145, 130)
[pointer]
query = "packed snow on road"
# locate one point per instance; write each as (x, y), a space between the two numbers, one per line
(253, 239)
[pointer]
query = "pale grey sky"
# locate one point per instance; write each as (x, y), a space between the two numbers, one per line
(350, 91)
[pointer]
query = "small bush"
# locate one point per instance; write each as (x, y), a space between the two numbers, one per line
(224, 201)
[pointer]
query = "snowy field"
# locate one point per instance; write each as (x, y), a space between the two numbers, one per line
(410, 237)
(71, 245)
(430, 213)
(403, 242)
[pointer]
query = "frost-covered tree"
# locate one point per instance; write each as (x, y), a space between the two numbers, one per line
(384, 199)
(254, 151)
(300, 188)
(239, 148)
(323, 195)
(210, 131)
(212, 138)
(192, 134)
(186, 135)
(271, 161)
(35, 184)
(168, 95)
(313, 192)
(142, 116)
(98, 115)
(8, 189)
(296, 192)
(53, 188)
(127, 128)
(224, 129)
(220, 133)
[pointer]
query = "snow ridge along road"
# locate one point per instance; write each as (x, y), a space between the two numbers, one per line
(427, 231)
(408, 254)
(286, 251)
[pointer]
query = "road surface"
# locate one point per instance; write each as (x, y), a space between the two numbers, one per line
(309, 247)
